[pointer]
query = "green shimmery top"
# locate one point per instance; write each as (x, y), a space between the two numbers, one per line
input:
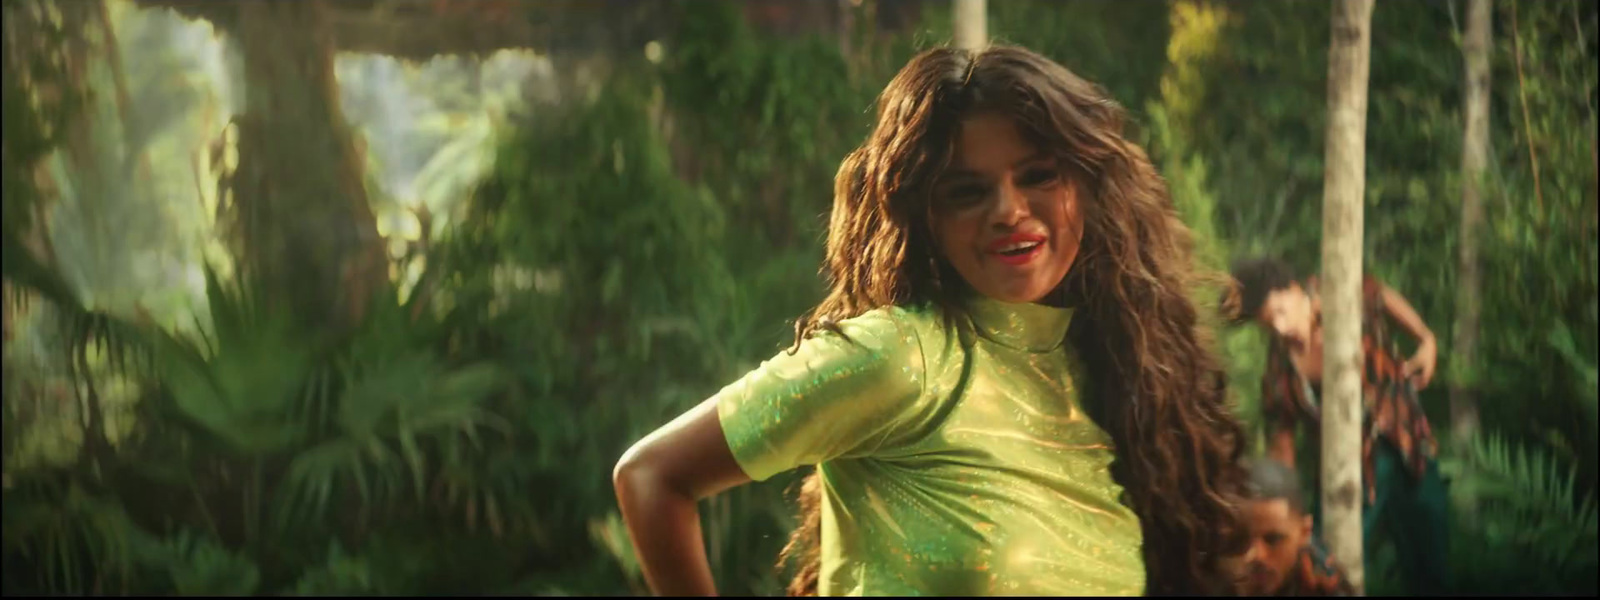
(951, 464)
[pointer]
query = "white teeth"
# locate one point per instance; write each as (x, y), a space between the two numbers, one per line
(1018, 246)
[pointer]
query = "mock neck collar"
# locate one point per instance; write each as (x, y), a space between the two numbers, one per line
(1023, 326)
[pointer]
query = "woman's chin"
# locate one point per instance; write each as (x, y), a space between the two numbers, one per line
(1019, 293)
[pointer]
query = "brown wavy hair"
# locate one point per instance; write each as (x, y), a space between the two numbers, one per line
(1161, 397)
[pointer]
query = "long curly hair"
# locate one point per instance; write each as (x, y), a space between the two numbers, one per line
(1160, 391)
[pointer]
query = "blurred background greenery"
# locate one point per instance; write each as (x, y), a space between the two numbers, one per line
(367, 296)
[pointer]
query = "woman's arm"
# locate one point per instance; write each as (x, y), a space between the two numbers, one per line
(1420, 366)
(659, 481)
(833, 396)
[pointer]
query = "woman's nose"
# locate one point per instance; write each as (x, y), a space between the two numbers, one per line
(1011, 205)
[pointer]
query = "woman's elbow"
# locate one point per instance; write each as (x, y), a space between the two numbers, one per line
(687, 458)
(633, 471)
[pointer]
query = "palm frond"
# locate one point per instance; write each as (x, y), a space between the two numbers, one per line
(342, 574)
(1529, 518)
(76, 542)
(201, 566)
(247, 381)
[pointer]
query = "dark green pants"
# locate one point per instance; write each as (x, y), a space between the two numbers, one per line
(1411, 514)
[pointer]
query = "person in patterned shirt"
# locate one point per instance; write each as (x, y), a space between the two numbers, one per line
(1405, 500)
(1285, 558)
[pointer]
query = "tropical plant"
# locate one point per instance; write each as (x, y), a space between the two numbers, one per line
(67, 538)
(610, 261)
(252, 437)
(1531, 532)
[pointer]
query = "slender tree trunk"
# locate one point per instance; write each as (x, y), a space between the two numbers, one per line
(1474, 158)
(971, 24)
(308, 236)
(1344, 177)
(845, 22)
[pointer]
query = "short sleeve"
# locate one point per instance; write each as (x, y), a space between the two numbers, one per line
(835, 396)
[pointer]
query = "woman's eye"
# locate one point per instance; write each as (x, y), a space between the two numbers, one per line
(1038, 177)
(964, 194)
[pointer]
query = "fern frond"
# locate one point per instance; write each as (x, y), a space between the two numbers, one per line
(1525, 493)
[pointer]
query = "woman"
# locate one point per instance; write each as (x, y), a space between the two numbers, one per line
(1005, 390)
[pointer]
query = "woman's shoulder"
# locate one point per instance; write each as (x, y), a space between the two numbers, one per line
(885, 330)
(898, 331)
(916, 324)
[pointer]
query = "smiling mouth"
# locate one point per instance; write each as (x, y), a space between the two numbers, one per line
(1020, 255)
(1017, 249)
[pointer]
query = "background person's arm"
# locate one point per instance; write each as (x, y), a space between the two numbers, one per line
(1421, 364)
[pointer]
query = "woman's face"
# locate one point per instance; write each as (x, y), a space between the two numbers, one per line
(1003, 213)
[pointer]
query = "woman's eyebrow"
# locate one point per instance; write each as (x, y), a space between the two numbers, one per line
(954, 174)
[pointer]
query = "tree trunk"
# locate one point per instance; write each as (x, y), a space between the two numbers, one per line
(1474, 158)
(846, 22)
(970, 20)
(1344, 177)
(307, 235)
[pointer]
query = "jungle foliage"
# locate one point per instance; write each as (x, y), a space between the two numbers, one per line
(619, 257)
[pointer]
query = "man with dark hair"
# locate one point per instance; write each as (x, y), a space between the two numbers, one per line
(1404, 494)
(1284, 557)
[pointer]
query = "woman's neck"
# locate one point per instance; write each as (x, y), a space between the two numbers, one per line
(1057, 298)
(1029, 326)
